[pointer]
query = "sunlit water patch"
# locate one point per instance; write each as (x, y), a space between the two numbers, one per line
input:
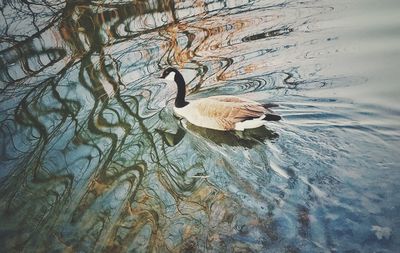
(93, 160)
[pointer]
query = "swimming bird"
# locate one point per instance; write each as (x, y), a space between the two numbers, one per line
(218, 112)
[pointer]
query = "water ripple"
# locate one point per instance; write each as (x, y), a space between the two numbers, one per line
(92, 158)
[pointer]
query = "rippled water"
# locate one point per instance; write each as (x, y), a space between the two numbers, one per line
(93, 160)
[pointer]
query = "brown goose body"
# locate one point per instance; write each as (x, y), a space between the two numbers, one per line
(219, 112)
(224, 113)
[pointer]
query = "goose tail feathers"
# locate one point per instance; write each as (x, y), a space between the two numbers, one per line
(272, 117)
(269, 105)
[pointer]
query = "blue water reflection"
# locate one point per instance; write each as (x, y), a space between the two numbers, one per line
(93, 160)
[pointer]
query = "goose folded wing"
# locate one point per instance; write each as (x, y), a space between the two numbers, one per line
(241, 108)
(227, 114)
(231, 99)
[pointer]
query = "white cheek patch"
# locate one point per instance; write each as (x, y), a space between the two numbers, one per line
(170, 76)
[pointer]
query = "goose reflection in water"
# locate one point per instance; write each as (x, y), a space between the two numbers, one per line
(247, 138)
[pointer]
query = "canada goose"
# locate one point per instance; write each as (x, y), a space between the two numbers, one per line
(218, 112)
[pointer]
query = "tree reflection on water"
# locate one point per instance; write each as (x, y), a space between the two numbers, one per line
(91, 158)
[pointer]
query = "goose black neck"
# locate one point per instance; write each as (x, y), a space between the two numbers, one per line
(180, 97)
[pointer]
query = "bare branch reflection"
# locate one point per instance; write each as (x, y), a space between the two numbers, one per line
(93, 160)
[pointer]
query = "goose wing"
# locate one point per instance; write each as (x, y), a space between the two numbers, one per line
(232, 99)
(229, 110)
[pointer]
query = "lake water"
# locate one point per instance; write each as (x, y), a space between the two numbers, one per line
(93, 160)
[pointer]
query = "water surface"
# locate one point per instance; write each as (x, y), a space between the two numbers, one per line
(93, 160)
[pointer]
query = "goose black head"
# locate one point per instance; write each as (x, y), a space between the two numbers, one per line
(169, 73)
(174, 75)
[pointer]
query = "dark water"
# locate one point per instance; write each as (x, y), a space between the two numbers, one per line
(92, 159)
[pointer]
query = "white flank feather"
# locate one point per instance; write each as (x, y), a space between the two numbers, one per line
(249, 124)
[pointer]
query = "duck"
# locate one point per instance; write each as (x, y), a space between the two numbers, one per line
(223, 112)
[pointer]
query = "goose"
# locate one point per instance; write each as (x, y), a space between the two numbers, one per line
(224, 113)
